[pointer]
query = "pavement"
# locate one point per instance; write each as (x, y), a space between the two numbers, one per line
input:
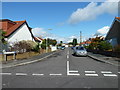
(19, 62)
(102, 58)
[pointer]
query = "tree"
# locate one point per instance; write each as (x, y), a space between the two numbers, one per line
(74, 42)
(104, 45)
(61, 42)
(49, 42)
(2, 36)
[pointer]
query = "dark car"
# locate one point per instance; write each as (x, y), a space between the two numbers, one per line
(62, 47)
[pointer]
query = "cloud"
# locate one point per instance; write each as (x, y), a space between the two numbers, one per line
(103, 31)
(92, 10)
(41, 32)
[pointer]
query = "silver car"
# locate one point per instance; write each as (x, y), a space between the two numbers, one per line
(79, 51)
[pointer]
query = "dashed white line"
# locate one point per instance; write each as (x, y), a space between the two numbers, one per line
(68, 52)
(55, 74)
(67, 56)
(119, 72)
(21, 74)
(106, 72)
(5, 74)
(91, 74)
(35, 74)
(110, 75)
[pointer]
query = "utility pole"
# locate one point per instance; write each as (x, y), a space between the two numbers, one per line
(80, 37)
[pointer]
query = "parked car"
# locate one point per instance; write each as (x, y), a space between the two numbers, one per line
(79, 51)
(62, 47)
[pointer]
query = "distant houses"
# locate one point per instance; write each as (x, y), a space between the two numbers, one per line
(113, 36)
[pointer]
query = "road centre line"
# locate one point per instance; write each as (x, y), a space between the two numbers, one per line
(91, 74)
(5, 74)
(106, 72)
(67, 56)
(111, 75)
(68, 52)
(22, 74)
(55, 74)
(36, 74)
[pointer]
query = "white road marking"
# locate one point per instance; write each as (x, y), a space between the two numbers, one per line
(55, 74)
(111, 75)
(73, 72)
(5, 74)
(106, 72)
(21, 74)
(91, 74)
(68, 52)
(35, 74)
(67, 56)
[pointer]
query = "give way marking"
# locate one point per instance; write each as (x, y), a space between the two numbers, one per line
(71, 72)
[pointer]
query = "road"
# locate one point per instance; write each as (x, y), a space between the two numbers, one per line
(62, 70)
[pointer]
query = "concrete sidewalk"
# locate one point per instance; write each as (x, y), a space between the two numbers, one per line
(102, 58)
(12, 63)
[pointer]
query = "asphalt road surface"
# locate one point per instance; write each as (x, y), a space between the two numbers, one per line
(62, 70)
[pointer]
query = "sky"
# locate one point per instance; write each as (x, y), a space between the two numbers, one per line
(63, 21)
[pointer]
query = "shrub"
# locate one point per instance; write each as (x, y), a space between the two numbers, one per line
(104, 45)
(23, 46)
(117, 48)
(36, 48)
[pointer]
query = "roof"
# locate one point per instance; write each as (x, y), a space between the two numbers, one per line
(117, 18)
(38, 39)
(114, 30)
(10, 26)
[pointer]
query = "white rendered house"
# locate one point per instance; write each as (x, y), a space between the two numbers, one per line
(16, 31)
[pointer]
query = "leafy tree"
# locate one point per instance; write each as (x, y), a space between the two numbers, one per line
(74, 42)
(49, 42)
(2, 37)
(104, 45)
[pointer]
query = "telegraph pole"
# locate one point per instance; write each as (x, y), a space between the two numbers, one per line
(80, 37)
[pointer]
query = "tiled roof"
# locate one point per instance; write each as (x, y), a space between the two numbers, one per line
(10, 26)
(38, 39)
(117, 18)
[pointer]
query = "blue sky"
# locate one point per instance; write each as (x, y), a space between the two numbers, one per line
(66, 19)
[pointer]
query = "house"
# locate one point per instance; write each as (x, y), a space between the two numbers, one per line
(16, 30)
(113, 36)
(38, 39)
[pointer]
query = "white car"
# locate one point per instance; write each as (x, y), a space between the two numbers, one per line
(80, 51)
